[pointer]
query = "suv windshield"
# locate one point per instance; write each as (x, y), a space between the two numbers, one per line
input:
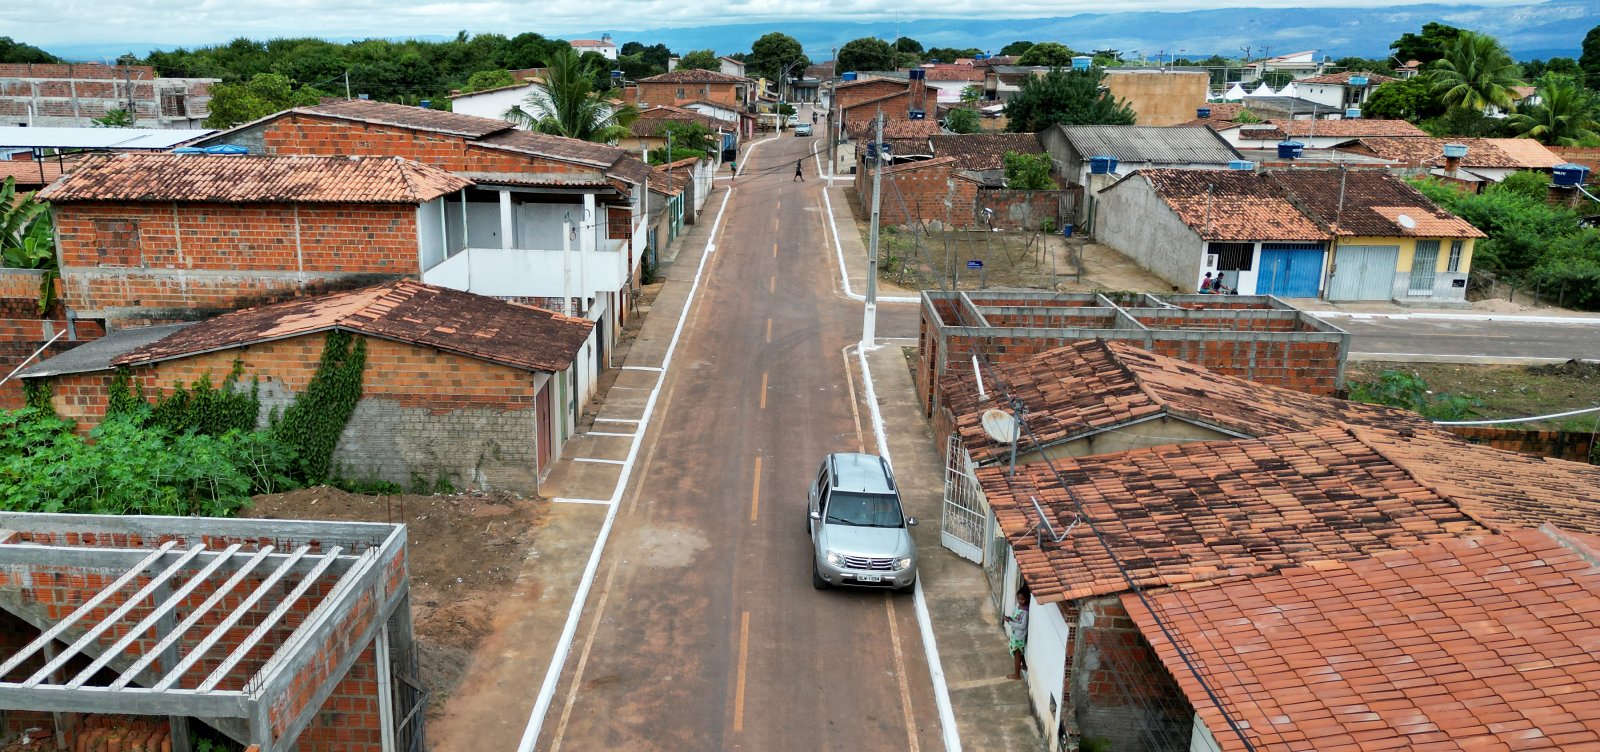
(864, 510)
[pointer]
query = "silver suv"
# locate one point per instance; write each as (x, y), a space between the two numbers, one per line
(859, 534)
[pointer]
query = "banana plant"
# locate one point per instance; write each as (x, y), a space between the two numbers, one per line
(27, 238)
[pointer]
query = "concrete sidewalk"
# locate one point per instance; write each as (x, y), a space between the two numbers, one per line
(991, 709)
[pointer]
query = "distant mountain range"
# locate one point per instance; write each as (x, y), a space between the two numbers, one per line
(1530, 30)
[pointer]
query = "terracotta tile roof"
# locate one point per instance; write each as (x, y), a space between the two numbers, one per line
(920, 165)
(953, 73)
(476, 326)
(405, 116)
(864, 129)
(1373, 202)
(1229, 205)
(985, 151)
(1481, 644)
(670, 182)
(30, 172)
(1510, 153)
(1351, 127)
(1090, 386)
(1214, 510)
(183, 177)
(694, 76)
(650, 124)
(1343, 79)
(1224, 110)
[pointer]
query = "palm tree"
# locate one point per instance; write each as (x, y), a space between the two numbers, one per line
(566, 103)
(1564, 116)
(1475, 74)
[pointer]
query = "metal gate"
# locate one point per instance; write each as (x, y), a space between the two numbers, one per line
(1363, 272)
(966, 511)
(1290, 270)
(1424, 260)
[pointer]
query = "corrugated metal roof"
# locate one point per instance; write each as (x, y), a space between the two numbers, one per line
(1148, 144)
(14, 137)
(182, 177)
(99, 354)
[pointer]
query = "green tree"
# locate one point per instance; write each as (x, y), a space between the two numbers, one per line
(1406, 99)
(1066, 97)
(700, 60)
(908, 46)
(1565, 115)
(12, 51)
(687, 139)
(951, 54)
(1427, 46)
(1364, 64)
(1053, 54)
(1474, 73)
(867, 54)
(115, 119)
(1016, 48)
(770, 53)
(970, 94)
(1277, 79)
(1589, 58)
(489, 79)
(567, 103)
(266, 93)
(1564, 66)
(962, 120)
(1028, 172)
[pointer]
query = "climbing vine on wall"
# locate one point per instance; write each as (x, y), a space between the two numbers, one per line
(37, 394)
(313, 424)
(205, 409)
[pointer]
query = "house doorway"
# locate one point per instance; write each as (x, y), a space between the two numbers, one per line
(1363, 272)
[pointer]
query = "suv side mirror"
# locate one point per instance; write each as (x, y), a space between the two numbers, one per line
(816, 515)
(911, 522)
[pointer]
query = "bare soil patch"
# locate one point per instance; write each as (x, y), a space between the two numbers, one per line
(465, 549)
(1507, 391)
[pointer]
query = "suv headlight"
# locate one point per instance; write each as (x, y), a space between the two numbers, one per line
(902, 564)
(834, 559)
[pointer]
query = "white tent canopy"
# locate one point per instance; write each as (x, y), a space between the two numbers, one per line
(1235, 94)
(1263, 91)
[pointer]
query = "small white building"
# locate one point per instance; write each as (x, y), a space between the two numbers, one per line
(1340, 91)
(603, 45)
(492, 103)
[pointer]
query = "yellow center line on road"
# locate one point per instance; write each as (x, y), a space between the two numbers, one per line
(900, 676)
(738, 692)
(772, 284)
(769, 331)
(755, 493)
(763, 391)
(774, 250)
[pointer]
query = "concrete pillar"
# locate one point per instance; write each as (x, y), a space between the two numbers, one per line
(587, 235)
(508, 224)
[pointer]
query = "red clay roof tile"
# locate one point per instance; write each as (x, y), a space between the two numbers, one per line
(1368, 202)
(481, 327)
(1229, 205)
(185, 177)
(1464, 644)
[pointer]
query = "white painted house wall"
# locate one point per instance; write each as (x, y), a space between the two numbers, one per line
(491, 104)
(1046, 656)
(1131, 218)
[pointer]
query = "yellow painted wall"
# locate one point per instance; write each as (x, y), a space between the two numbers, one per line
(1160, 97)
(1408, 247)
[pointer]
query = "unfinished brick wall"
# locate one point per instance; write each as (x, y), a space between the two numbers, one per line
(1117, 687)
(658, 93)
(311, 135)
(1575, 446)
(849, 95)
(15, 634)
(913, 194)
(23, 329)
(161, 262)
(424, 415)
(349, 720)
(1023, 210)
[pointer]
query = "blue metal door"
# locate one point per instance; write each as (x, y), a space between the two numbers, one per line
(1290, 270)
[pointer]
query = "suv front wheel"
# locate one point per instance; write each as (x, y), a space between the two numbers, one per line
(816, 577)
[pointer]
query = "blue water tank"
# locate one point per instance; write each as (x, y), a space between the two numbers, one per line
(1455, 151)
(1354, 113)
(616, 75)
(425, 104)
(1241, 164)
(188, 150)
(1290, 149)
(1358, 80)
(1202, 112)
(1082, 62)
(1102, 165)
(918, 74)
(1568, 175)
(980, 56)
(849, 75)
(918, 114)
(227, 150)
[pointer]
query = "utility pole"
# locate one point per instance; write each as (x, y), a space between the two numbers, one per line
(347, 83)
(869, 320)
(833, 126)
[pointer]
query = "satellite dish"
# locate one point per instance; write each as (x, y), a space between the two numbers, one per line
(1000, 425)
(1406, 221)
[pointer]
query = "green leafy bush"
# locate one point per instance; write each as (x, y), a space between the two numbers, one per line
(1409, 391)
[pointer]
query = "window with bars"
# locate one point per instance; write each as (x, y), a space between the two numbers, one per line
(1232, 257)
(1457, 248)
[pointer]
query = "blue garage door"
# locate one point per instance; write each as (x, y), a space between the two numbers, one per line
(1290, 270)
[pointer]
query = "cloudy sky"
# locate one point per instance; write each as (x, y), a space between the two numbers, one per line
(177, 22)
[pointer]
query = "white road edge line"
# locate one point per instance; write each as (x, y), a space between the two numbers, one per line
(601, 461)
(1504, 318)
(941, 691)
(604, 433)
(558, 661)
(565, 500)
(640, 368)
(615, 420)
(844, 272)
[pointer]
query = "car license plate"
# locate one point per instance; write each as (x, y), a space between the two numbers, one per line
(869, 578)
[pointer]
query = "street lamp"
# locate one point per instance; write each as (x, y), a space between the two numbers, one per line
(783, 80)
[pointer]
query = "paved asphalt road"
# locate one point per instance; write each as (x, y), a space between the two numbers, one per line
(707, 632)
(1500, 338)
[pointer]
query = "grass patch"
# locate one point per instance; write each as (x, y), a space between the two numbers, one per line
(1507, 391)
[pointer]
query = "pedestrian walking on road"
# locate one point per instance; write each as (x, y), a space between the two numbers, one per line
(798, 175)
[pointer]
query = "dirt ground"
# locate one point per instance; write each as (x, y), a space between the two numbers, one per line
(916, 259)
(1508, 391)
(465, 549)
